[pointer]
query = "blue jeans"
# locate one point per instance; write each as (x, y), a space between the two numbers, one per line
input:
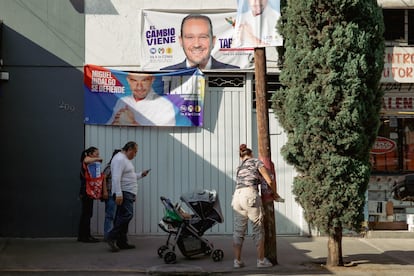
(123, 216)
(110, 208)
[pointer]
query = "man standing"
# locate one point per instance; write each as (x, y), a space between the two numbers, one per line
(124, 188)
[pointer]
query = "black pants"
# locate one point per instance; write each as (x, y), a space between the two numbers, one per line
(85, 218)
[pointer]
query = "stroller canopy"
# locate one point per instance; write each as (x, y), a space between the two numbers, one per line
(205, 204)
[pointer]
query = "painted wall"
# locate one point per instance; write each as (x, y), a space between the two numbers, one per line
(41, 117)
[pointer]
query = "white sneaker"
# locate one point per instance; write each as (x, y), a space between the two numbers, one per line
(264, 263)
(238, 264)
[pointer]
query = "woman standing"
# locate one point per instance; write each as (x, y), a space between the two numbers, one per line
(247, 205)
(88, 156)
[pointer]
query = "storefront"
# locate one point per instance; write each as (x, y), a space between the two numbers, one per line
(392, 156)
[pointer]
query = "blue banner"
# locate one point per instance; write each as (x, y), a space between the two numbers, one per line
(114, 97)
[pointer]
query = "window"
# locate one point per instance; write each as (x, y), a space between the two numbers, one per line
(399, 25)
(273, 85)
(394, 25)
(411, 27)
(396, 141)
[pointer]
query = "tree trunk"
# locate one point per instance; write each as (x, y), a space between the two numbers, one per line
(335, 249)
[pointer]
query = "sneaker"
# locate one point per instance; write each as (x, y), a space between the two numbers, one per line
(112, 245)
(238, 264)
(264, 263)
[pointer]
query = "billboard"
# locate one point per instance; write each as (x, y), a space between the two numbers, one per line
(114, 97)
(256, 23)
(164, 47)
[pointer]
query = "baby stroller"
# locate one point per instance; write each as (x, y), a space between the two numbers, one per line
(186, 230)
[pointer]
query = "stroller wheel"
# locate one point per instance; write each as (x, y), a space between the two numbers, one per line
(217, 255)
(161, 250)
(170, 257)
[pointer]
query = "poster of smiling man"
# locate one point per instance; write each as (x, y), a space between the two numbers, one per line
(179, 40)
(121, 98)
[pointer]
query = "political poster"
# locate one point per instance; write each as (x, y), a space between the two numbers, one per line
(114, 97)
(256, 23)
(167, 45)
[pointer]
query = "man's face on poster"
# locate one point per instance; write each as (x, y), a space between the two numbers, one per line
(257, 6)
(197, 41)
(140, 85)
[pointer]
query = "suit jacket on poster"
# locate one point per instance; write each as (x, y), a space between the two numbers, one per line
(215, 64)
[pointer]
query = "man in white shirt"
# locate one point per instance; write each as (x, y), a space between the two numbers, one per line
(124, 189)
(144, 107)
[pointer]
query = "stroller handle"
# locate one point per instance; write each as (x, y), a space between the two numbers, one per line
(167, 203)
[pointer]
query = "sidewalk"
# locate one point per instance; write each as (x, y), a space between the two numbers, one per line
(296, 256)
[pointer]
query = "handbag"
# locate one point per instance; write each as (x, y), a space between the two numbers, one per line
(94, 180)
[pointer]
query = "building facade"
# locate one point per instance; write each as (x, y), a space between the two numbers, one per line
(45, 45)
(392, 154)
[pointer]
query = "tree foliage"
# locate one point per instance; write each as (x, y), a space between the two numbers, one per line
(329, 108)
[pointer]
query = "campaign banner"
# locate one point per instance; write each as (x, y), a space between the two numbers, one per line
(114, 97)
(256, 23)
(165, 48)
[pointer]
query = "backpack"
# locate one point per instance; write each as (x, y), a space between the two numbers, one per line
(93, 179)
(108, 175)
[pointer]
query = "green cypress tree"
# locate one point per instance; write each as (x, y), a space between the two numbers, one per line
(329, 108)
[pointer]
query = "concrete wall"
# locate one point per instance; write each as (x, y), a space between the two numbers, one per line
(41, 117)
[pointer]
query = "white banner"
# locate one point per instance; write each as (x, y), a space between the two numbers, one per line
(256, 24)
(162, 50)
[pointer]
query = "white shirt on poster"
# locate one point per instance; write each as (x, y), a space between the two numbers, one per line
(257, 31)
(153, 110)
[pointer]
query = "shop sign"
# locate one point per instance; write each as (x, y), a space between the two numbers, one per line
(398, 102)
(383, 145)
(398, 65)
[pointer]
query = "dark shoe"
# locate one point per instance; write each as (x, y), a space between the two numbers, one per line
(125, 246)
(88, 240)
(112, 245)
(93, 239)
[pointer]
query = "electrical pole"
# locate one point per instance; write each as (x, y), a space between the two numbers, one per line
(262, 117)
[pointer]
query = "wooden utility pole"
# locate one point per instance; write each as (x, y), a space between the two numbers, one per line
(263, 138)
